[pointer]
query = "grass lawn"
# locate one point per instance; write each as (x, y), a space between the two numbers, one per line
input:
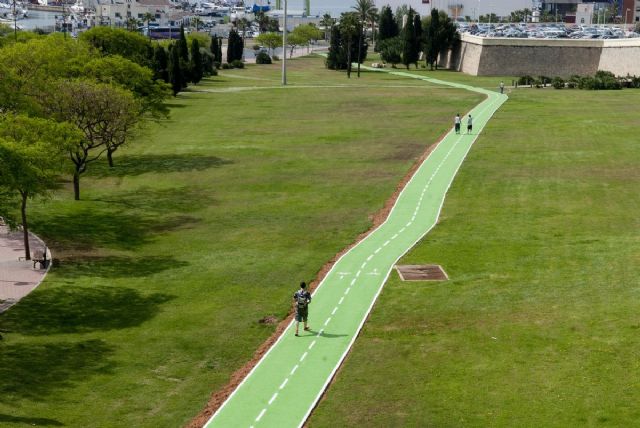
(539, 324)
(206, 225)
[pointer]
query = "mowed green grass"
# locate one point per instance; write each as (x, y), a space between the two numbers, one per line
(206, 225)
(539, 323)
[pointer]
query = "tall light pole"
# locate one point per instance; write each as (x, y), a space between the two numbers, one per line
(284, 46)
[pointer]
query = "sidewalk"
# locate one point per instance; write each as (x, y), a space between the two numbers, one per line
(17, 277)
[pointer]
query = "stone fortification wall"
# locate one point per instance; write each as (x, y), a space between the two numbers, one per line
(481, 56)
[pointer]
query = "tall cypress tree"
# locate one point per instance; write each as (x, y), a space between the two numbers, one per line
(433, 44)
(334, 58)
(175, 71)
(410, 50)
(197, 69)
(161, 64)
(183, 48)
(387, 27)
(235, 47)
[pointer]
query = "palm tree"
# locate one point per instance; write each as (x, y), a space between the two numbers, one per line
(363, 10)
(327, 22)
(373, 18)
(196, 22)
(148, 17)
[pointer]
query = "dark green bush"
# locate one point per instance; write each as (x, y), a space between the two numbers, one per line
(557, 83)
(236, 63)
(525, 80)
(226, 66)
(263, 58)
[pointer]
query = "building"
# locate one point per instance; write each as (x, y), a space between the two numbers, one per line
(116, 13)
(461, 8)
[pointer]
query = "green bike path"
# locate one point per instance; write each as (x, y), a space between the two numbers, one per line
(286, 384)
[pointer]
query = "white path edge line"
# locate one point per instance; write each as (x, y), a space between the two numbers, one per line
(291, 323)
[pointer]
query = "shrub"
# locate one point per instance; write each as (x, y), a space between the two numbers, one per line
(236, 63)
(571, 84)
(525, 80)
(263, 58)
(557, 82)
(217, 64)
(275, 58)
(226, 66)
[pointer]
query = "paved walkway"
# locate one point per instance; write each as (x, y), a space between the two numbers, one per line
(286, 384)
(17, 277)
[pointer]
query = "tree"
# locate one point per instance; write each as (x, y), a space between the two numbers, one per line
(391, 50)
(349, 29)
(235, 47)
(410, 50)
(336, 58)
(94, 108)
(387, 26)
(113, 41)
(327, 22)
(196, 62)
(372, 16)
(139, 80)
(432, 45)
(363, 10)
(270, 40)
(307, 33)
(295, 39)
(148, 17)
(31, 159)
(176, 75)
(160, 64)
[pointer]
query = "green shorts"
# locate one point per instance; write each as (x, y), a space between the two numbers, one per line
(302, 314)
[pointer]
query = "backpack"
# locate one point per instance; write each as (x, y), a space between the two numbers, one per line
(301, 299)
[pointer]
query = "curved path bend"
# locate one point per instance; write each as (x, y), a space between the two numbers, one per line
(286, 384)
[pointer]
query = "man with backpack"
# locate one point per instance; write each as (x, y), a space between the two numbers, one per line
(301, 300)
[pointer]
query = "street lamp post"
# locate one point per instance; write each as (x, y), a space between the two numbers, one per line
(284, 46)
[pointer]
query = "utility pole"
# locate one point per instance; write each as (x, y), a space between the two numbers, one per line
(284, 46)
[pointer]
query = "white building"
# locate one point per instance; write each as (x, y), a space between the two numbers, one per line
(117, 12)
(461, 8)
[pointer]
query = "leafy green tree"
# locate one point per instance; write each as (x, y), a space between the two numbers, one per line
(114, 41)
(196, 62)
(270, 40)
(410, 50)
(151, 93)
(95, 109)
(294, 40)
(391, 50)
(364, 9)
(32, 156)
(308, 33)
(387, 26)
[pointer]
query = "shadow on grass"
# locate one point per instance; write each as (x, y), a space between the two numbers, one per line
(144, 164)
(35, 371)
(33, 421)
(124, 221)
(79, 310)
(116, 266)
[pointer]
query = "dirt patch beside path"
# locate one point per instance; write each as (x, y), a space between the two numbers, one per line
(377, 219)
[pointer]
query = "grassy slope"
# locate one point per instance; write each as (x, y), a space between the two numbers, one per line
(539, 323)
(205, 226)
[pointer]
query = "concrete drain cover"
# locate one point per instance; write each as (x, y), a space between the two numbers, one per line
(421, 273)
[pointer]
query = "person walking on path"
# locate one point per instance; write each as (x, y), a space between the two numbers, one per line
(501, 87)
(301, 299)
(469, 124)
(457, 123)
